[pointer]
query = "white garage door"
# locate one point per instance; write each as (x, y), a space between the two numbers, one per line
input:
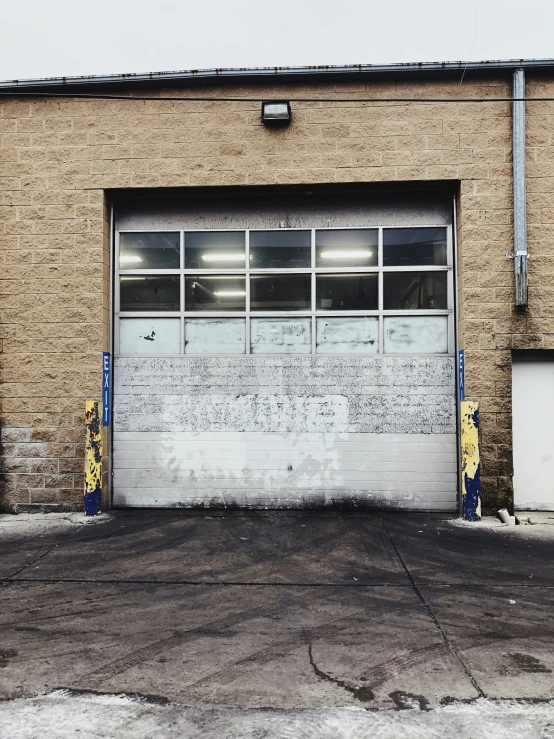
(285, 367)
(533, 411)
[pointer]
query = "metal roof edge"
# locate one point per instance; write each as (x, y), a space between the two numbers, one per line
(279, 74)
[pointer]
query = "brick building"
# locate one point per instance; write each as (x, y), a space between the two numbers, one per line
(284, 304)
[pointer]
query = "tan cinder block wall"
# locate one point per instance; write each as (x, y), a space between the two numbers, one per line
(538, 329)
(59, 156)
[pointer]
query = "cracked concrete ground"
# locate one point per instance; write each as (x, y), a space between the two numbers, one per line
(292, 612)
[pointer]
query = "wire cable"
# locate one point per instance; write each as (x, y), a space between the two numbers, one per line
(196, 99)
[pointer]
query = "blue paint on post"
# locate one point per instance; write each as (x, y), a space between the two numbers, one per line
(471, 499)
(106, 389)
(461, 374)
(93, 502)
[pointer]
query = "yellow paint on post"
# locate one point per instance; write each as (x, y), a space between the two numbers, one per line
(93, 458)
(471, 465)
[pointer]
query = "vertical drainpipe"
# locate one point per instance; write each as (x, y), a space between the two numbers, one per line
(520, 254)
(109, 440)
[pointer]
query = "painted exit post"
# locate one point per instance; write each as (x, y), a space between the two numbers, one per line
(469, 446)
(93, 459)
(471, 466)
(96, 415)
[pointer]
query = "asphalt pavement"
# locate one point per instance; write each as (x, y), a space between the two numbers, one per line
(276, 611)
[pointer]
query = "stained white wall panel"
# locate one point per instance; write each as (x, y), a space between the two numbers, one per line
(281, 335)
(416, 334)
(150, 335)
(285, 431)
(348, 335)
(215, 336)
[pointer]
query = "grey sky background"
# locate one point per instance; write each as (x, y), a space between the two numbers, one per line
(46, 38)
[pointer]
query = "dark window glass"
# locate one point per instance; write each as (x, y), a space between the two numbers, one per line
(149, 251)
(215, 292)
(280, 292)
(150, 292)
(349, 248)
(413, 290)
(404, 247)
(215, 250)
(347, 292)
(280, 249)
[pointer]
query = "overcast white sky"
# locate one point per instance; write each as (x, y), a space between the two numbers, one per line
(46, 38)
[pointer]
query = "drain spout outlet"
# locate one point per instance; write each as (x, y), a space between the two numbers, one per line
(505, 517)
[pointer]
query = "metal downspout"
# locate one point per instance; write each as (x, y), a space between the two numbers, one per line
(520, 254)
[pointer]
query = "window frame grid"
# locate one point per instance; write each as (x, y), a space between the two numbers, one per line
(314, 314)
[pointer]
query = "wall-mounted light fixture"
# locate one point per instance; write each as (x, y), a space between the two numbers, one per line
(276, 113)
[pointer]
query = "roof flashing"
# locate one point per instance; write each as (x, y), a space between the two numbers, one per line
(211, 77)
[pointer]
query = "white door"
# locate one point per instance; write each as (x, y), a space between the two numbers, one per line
(533, 427)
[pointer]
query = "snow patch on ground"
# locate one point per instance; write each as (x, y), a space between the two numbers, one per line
(31, 524)
(63, 715)
(487, 522)
(541, 525)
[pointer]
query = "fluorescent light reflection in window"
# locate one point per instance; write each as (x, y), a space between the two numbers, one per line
(223, 257)
(214, 249)
(345, 254)
(159, 250)
(215, 292)
(346, 247)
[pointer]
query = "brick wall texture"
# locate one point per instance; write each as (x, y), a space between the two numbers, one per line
(59, 156)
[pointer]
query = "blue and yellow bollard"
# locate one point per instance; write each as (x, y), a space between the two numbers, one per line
(471, 465)
(93, 459)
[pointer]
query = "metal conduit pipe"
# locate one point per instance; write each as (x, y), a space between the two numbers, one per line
(520, 255)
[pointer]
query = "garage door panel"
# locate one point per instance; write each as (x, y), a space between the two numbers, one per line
(270, 487)
(313, 389)
(237, 459)
(221, 498)
(236, 373)
(155, 496)
(350, 463)
(302, 477)
(275, 413)
(228, 439)
(283, 410)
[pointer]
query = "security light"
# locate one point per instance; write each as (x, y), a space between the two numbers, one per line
(276, 113)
